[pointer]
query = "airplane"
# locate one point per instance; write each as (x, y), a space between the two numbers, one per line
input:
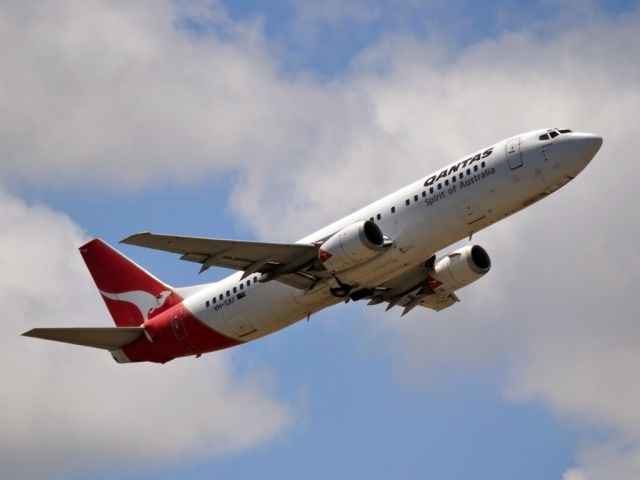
(384, 253)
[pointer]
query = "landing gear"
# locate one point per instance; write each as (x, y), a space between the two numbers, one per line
(342, 290)
(349, 292)
(362, 293)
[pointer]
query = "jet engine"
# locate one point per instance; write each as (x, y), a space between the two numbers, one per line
(351, 246)
(459, 269)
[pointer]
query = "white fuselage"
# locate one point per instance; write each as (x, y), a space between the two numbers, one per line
(421, 219)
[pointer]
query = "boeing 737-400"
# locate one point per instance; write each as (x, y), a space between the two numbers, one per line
(382, 253)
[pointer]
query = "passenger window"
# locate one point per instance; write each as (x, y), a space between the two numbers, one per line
(371, 219)
(235, 289)
(454, 178)
(221, 297)
(446, 182)
(242, 286)
(407, 202)
(475, 168)
(468, 171)
(430, 189)
(415, 198)
(424, 194)
(482, 164)
(461, 175)
(393, 209)
(439, 186)
(228, 293)
(207, 303)
(379, 216)
(214, 300)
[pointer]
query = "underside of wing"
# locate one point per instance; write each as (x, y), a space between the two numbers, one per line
(109, 338)
(288, 263)
(411, 289)
(433, 301)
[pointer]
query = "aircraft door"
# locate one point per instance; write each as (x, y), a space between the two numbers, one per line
(177, 324)
(514, 157)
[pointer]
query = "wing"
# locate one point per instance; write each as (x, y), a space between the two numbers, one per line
(411, 289)
(288, 263)
(110, 338)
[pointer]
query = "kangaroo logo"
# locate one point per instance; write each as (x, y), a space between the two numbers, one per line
(144, 301)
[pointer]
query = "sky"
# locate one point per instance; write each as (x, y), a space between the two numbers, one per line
(267, 120)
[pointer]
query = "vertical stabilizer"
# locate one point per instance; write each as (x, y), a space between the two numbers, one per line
(131, 294)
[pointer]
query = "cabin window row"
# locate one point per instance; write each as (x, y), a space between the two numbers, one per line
(222, 296)
(432, 190)
(455, 178)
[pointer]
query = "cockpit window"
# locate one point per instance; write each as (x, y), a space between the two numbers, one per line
(553, 133)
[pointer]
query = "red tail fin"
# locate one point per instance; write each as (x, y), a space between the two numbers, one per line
(131, 293)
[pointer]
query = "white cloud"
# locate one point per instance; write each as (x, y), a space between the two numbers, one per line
(611, 461)
(118, 93)
(73, 408)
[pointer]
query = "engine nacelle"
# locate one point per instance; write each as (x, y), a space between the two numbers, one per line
(351, 246)
(459, 269)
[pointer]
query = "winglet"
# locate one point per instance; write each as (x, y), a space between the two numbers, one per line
(131, 238)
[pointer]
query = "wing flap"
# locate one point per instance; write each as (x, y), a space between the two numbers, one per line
(299, 280)
(435, 302)
(109, 338)
(409, 301)
(411, 290)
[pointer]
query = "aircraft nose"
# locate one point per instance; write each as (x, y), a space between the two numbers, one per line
(588, 145)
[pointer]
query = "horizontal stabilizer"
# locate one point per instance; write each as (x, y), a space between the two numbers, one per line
(110, 338)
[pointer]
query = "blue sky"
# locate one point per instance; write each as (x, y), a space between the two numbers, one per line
(325, 44)
(264, 120)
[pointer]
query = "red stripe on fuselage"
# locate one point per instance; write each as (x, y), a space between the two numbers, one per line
(175, 333)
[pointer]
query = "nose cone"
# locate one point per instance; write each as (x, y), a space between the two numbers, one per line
(588, 145)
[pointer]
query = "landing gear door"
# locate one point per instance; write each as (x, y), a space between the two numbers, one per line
(514, 157)
(240, 325)
(469, 211)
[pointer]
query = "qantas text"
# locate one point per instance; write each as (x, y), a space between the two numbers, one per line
(454, 168)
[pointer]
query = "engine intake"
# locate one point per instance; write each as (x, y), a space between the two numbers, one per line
(459, 269)
(351, 246)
